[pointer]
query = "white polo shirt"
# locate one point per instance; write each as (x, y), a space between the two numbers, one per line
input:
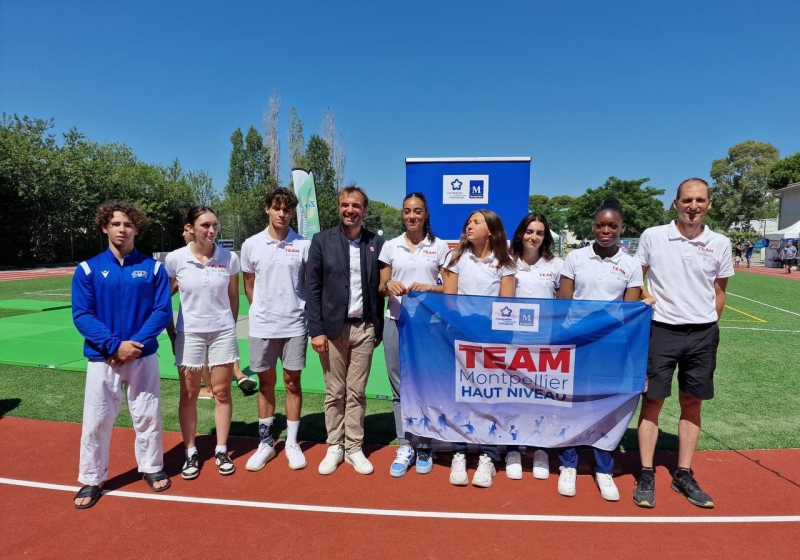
(478, 277)
(601, 279)
(279, 292)
(205, 306)
(421, 265)
(540, 280)
(682, 273)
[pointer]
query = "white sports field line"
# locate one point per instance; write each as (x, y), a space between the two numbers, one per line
(757, 329)
(411, 513)
(766, 304)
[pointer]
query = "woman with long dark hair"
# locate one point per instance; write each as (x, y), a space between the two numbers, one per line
(538, 275)
(479, 265)
(410, 262)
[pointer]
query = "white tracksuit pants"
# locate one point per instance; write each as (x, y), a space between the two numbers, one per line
(101, 406)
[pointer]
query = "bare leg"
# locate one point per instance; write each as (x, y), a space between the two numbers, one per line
(688, 429)
(648, 430)
(221, 376)
(205, 392)
(187, 405)
(266, 393)
(294, 395)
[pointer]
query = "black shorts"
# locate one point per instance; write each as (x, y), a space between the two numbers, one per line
(789, 262)
(693, 349)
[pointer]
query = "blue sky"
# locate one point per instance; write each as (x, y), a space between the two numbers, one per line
(587, 89)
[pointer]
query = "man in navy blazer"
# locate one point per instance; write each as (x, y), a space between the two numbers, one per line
(345, 323)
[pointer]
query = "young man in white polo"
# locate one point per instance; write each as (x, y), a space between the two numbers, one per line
(687, 267)
(274, 265)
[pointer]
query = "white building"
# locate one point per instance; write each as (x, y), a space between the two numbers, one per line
(789, 213)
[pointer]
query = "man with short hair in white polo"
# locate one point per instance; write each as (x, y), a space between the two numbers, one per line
(687, 267)
(274, 266)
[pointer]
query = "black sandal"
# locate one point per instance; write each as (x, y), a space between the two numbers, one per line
(152, 478)
(89, 491)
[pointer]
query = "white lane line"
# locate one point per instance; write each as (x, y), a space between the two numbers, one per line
(757, 329)
(410, 513)
(768, 305)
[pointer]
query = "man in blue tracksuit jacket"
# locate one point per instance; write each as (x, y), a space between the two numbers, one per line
(120, 304)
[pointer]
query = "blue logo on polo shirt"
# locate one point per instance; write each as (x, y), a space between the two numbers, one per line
(527, 317)
(476, 189)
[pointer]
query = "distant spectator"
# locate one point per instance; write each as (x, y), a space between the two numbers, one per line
(748, 252)
(789, 256)
(737, 253)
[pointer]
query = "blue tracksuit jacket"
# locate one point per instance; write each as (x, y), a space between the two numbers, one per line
(112, 303)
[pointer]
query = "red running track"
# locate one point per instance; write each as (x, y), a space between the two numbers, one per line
(764, 271)
(41, 523)
(35, 274)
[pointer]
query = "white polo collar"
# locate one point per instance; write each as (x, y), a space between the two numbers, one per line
(673, 234)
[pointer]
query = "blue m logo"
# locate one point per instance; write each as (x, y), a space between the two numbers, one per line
(476, 189)
(527, 317)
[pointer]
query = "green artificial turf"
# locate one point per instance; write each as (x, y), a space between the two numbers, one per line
(757, 379)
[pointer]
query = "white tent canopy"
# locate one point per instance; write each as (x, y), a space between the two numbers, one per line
(554, 234)
(791, 232)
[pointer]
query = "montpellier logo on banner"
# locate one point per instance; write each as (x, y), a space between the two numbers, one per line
(493, 373)
(465, 189)
(515, 317)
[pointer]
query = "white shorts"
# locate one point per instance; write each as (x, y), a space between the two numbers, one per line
(194, 350)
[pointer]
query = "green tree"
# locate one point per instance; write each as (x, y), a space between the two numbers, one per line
(296, 141)
(318, 161)
(640, 204)
(237, 181)
(785, 172)
(740, 191)
(555, 209)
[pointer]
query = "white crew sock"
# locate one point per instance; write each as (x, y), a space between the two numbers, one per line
(221, 449)
(291, 431)
(190, 451)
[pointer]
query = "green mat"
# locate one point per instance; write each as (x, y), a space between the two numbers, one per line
(50, 340)
(32, 304)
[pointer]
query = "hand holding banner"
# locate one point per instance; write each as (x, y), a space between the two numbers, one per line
(514, 371)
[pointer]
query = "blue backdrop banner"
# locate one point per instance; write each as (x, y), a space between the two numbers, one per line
(513, 371)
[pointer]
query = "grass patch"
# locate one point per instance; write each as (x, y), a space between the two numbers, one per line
(757, 382)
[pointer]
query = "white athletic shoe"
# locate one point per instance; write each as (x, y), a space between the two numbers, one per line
(541, 465)
(458, 470)
(259, 459)
(608, 489)
(360, 463)
(295, 457)
(513, 465)
(333, 458)
(566, 481)
(485, 473)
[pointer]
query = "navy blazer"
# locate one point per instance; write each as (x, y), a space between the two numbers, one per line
(328, 281)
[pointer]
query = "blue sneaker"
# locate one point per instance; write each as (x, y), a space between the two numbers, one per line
(424, 461)
(402, 460)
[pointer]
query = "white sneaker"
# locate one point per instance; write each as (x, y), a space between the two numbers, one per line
(605, 482)
(295, 457)
(360, 463)
(513, 465)
(458, 470)
(566, 481)
(333, 458)
(485, 473)
(259, 459)
(541, 465)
